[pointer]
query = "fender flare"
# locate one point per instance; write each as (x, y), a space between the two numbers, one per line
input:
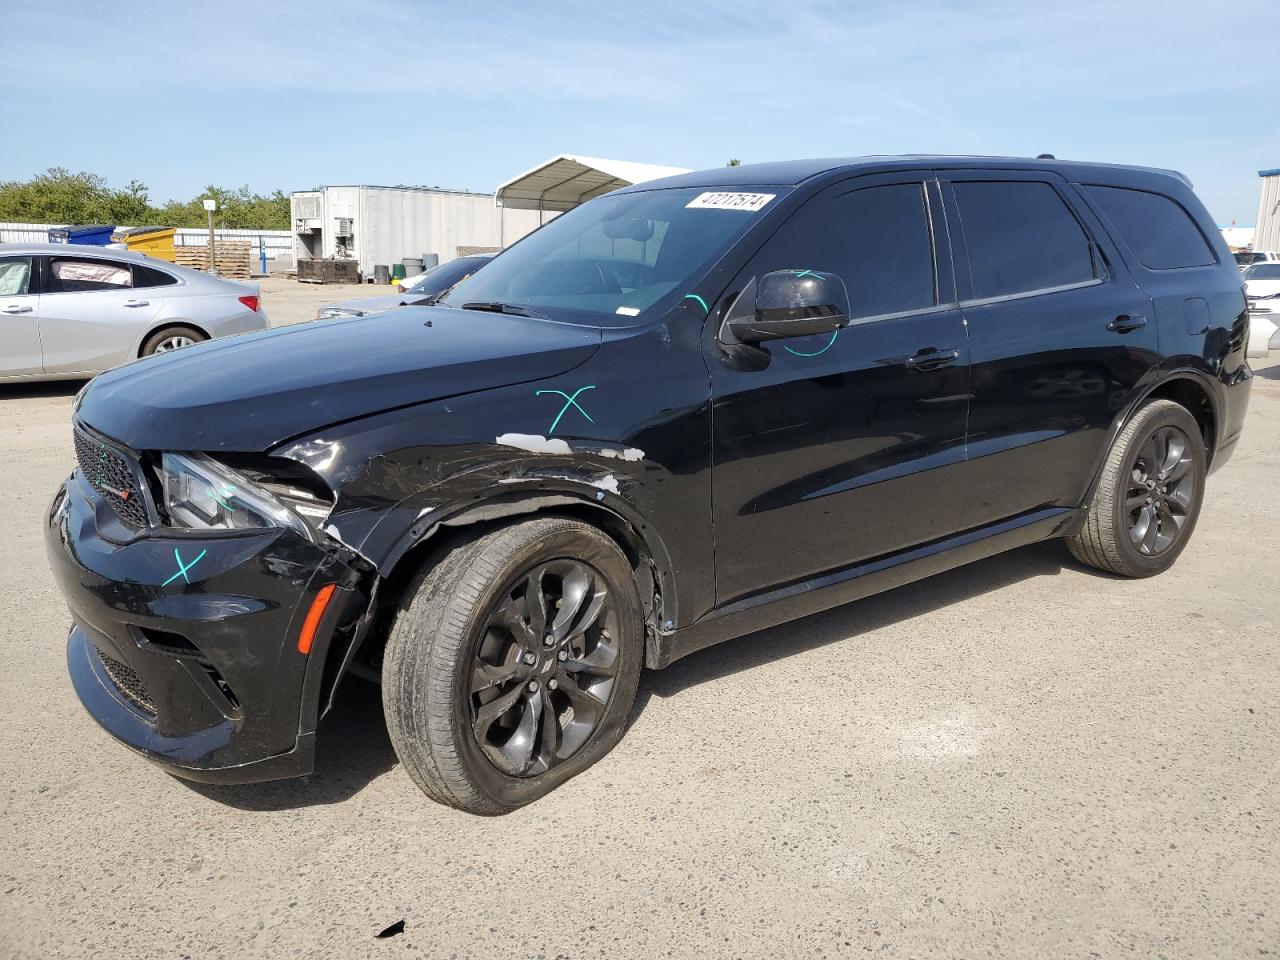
(1201, 380)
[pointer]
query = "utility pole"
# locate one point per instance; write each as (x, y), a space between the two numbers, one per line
(210, 206)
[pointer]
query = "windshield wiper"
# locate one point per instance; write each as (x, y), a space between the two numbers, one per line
(495, 306)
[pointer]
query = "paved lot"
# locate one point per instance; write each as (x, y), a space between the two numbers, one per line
(1020, 758)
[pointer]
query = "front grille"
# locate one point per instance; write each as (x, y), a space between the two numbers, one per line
(111, 476)
(128, 682)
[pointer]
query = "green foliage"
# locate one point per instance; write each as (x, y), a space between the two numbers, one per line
(735, 162)
(60, 196)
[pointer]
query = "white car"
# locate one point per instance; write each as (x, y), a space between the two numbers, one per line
(68, 312)
(1247, 258)
(1262, 290)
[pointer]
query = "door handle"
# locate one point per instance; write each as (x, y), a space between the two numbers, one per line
(931, 358)
(137, 303)
(1126, 322)
(15, 308)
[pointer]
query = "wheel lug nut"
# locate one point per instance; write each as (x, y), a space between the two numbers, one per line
(549, 640)
(553, 683)
(562, 656)
(530, 659)
(533, 686)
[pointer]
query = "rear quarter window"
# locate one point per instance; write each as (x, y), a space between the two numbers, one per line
(149, 277)
(1158, 230)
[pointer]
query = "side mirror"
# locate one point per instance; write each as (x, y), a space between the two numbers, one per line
(789, 303)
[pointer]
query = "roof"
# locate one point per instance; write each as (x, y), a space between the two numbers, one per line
(790, 173)
(79, 249)
(565, 181)
(1269, 173)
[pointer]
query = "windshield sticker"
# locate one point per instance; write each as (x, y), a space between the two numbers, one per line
(569, 401)
(751, 202)
(628, 311)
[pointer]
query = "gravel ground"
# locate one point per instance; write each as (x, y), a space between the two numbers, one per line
(1018, 758)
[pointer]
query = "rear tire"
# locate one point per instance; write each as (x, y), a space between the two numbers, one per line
(474, 722)
(171, 338)
(1148, 498)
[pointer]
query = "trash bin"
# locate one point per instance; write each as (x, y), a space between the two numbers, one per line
(381, 274)
(413, 266)
(95, 235)
(153, 241)
(397, 272)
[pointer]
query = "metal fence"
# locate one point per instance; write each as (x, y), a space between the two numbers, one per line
(275, 244)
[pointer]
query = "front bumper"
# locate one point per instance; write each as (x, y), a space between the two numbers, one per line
(199, 671)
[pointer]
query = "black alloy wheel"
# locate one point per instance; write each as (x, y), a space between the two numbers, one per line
(545, 667)
(1161, 490)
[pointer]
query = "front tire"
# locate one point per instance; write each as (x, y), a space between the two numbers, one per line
(1148, 498)
(513, 664)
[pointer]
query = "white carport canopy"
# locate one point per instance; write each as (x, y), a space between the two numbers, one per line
(564, 182)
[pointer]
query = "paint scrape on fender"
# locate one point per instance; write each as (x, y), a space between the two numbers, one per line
(533, 443)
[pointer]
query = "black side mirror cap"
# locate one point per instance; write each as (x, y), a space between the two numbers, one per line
(790, 303)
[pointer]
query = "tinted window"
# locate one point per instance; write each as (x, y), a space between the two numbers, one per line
(1021, 237)
(1158, 231)
(15, 276)
(877, 240)
(1263, 271)
(67, 275)
(149, 277)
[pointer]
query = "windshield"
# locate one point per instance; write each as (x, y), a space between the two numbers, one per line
(618, 255)
(441, 278)
(1263, 271)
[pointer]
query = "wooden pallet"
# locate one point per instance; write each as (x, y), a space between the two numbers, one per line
(232, 260)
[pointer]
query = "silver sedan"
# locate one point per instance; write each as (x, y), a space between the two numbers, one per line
(68, 311)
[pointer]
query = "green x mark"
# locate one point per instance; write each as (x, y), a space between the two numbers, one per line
(183, 568)
(569, 401)
(809, 273)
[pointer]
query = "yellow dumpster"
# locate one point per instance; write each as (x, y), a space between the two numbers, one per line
(153, 241)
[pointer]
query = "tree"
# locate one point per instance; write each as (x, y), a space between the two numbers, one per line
(60, 196)
(735, 162)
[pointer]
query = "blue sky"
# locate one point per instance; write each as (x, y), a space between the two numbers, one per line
(179, 94)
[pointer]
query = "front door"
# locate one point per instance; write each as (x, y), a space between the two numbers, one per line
(90, 314)
(1060, 333)
(19, 327)
(836, 449)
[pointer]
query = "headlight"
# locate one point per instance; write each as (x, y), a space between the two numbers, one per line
(202, 494)
(330, 313)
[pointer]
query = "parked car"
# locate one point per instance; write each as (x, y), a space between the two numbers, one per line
(1262, 290)
(426, 288)
(836, 378)
(1246, 258)
(72, 311)
(409, 283)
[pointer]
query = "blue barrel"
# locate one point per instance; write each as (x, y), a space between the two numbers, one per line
(96, 235)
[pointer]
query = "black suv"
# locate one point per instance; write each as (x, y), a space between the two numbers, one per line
(678, 413)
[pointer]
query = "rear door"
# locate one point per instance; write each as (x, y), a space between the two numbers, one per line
(835, 449)
(19, 328)
(91, 315)
(1060, 335)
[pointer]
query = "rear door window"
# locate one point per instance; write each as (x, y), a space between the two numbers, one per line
(1021, 237)
(1158, 230)
(69, 275)
(15, 276)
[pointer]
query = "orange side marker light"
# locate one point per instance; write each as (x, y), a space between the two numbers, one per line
(309, 626)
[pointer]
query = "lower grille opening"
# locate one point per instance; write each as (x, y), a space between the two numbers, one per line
(162, 641)
(128, 683)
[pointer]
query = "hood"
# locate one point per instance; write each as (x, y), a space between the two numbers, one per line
(379, 304)
(251, 392)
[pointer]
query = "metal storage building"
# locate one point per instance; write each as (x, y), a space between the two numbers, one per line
(376, 225)
(1266, 234)
(386, 224)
